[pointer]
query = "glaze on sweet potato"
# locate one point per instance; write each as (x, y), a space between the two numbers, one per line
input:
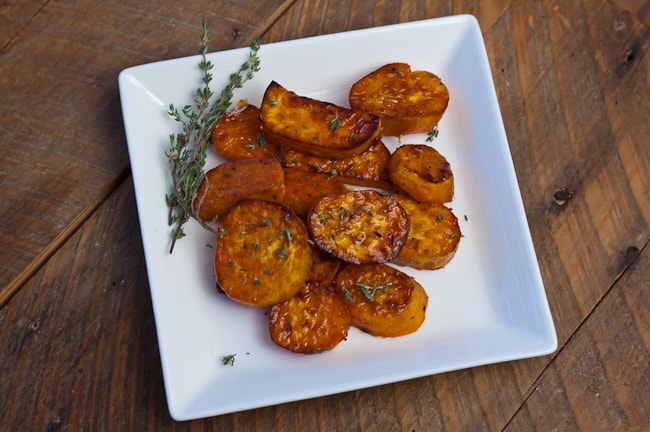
(363, 226)
(407, 101)
(433, 238)
(324, 268)
(422, 172)
(369, 169)
(303, 189)
(233, 181)
(262, 253)
(238, 135)
(313, 321)
(383, 301)
(315, 127)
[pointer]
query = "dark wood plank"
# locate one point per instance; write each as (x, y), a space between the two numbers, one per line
(640, 8)
(63, 141)
(566, 140)
(78, 344)
(15, 16)
(601, 381)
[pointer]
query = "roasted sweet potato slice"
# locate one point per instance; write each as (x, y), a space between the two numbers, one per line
(363, 226)
(315, 320)
(262, 253)
(233, 181)
(323, 269)
(315, 127)
(238, 135)
(422, 172)
(406, 101)
(303, 189)
(369, 168)
(383, 301)
(433, 238)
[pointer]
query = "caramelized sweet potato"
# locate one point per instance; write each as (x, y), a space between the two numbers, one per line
(303, 189)
(262, 253)
(433, 237)
(362, 226)
(233, 181)
(383, 301)
(238, 134)
(323, 269)
(313, 321)
(315, 127)
(369, 168)
(422, 172)
(406, 101)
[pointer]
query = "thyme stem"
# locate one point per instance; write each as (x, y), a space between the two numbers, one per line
(187, 151)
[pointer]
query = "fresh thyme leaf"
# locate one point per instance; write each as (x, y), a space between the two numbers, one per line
(187, 149)
(228, 360)
(335, 123)
(347, 295)
(432, 134)
(370, 290)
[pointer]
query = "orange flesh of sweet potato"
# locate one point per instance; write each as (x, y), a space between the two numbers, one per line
(433, 238)
(422, 172)
(233, 181)
(369, 168)
(262, 253)
(313, 321)
(383, 301)
(406, 101)
(303, 189)
(315, 127)
(238, 135)
(323, 269)
(362, 226)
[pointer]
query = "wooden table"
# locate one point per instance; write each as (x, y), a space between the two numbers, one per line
(78, 348)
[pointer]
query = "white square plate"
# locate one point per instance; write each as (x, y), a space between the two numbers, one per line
(488, 305)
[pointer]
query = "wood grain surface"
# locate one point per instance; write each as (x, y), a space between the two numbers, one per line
(78, 348)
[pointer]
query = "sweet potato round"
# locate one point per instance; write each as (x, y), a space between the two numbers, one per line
(407, 101)
(313, 321)
(433, 238)
(422, 172)
(233, 181)
(315, 127)
(304, 188)
(363, 226)
(238, 135)
(262, 253)
(369, 168)
(383, 301)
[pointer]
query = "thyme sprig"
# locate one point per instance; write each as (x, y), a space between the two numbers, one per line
(187, 151)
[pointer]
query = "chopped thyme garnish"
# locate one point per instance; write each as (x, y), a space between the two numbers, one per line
(228, 360)
(369, 290)
(261, 141)
(334, 124)
(287, 232)
(433, 133)
(347, 295)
